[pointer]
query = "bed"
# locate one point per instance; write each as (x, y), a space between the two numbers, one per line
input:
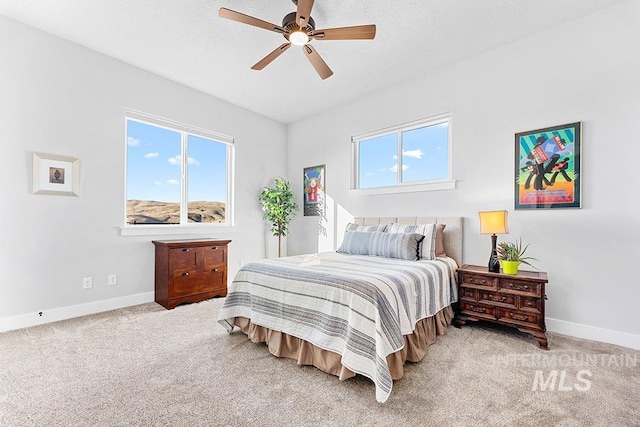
(353, 311)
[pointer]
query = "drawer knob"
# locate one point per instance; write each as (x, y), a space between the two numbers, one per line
(185, 250)
(520, 318)
(186, 273)
(214, 248)
(501, 299)
(478, 309)
(214, 269)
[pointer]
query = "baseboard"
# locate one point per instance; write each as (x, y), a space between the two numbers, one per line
(62, 313)
(593, 333)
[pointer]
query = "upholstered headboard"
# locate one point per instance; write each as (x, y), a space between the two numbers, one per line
(452, 231)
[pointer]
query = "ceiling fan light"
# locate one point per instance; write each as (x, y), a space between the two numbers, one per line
(298, 38)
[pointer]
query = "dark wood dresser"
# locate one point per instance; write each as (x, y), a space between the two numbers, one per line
(190, 270)
(512, 300)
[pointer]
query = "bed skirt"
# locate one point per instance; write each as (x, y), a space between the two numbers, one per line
(283, 345)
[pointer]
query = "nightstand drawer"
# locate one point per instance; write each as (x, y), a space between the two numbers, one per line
(478, 281)
(505, 300)
(478, 310)
(519, 318)
(468, 294)
(530, 304)
(519, 287)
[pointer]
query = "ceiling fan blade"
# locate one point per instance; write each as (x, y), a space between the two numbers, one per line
(318, 63)
(246, 19)
(303, 13)
(270, 57)
(358, 32)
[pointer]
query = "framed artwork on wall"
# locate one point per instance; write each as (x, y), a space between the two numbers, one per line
(57, 175)
(314, 190)
(547, 167)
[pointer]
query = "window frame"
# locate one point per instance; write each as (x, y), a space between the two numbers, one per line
(185, 130)
(402, 187)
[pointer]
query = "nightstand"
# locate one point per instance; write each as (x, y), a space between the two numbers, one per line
(511, 300)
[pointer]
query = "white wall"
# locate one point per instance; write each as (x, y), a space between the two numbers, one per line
(59, 98)
(586, 70)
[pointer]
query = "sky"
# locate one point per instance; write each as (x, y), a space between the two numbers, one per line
(424, 157)
(154, 165)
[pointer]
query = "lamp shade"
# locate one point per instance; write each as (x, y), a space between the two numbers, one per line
(494, 222)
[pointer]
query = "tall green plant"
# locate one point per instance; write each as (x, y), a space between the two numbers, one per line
(278, 208)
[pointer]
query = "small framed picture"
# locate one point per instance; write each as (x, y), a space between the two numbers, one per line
(547, 167)
(314, 191)
(57, 175)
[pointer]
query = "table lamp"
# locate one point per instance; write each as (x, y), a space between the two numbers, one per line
(494, 222)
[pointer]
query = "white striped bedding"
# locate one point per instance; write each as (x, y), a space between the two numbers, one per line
(355, 305)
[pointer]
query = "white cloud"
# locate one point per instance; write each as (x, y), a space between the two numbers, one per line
(158, 183)
(416, 154)
(151, 155)
(177, 160)
(132, 142)
(172, 181)
(394, 168)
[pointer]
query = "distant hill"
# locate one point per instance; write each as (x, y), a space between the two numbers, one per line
(152, 212)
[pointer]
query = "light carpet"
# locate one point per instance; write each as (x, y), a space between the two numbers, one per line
(147, 366)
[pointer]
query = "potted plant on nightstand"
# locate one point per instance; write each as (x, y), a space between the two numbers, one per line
(278, 208)
(511, 255)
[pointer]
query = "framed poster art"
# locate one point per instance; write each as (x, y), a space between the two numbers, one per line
(547, 167)
(314, 190)
(57, 175)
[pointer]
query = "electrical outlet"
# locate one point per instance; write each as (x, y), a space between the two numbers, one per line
(87, 282)
(113, 280)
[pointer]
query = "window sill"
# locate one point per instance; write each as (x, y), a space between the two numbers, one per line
(169, 230)
(449, 184)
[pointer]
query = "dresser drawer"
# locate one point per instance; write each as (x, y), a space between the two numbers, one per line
(519, 318)
(478, 281)
(182, 258)
(519, 287)
(506, 300)
(196, 283)
(214, 256)
(478, 310)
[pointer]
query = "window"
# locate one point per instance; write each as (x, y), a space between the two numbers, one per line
(176, 174)
(404, 156)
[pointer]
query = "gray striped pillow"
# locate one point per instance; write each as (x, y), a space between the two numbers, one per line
(396, 245)
(428, 245)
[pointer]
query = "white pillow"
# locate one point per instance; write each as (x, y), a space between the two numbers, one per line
(370, 228)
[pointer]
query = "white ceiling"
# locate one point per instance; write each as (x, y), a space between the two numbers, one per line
(186, 41)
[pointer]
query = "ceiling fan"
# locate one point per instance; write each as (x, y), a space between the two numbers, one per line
(299, 29)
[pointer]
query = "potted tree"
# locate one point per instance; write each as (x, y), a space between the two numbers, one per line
(511, 255)
(278, 208)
